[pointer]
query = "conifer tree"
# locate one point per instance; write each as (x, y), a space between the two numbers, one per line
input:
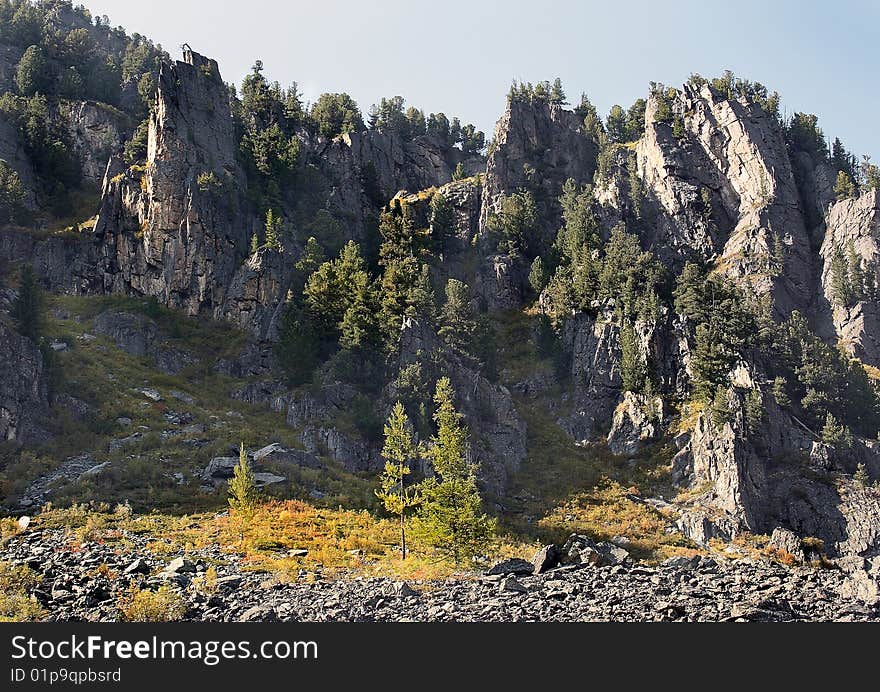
(457, 317)
(841, 285)
(451, 518)
(399, 451)
(633, 368)
(273, 230)
(243, 494)
(442, 221)
(538, 276)
(844, 187)
(780, 393)
(27, 310)
(255, 244)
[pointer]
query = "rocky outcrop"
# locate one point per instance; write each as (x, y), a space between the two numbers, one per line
(594, 348)
(172, 229)
(763, 475)
(724, 190)
(637, 421)
(134, 334)
(852, 232)
(256, 297)
(501, 281)
(360, 171)
(23, 393)
(96, 131)
(498, 439)
(537, 146)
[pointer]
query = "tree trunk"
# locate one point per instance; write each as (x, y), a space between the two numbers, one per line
(402, 538)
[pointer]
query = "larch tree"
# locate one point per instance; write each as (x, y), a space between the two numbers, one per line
(399, 451)
(451, 517)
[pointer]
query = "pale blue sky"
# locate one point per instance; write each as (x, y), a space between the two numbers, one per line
(459, 56)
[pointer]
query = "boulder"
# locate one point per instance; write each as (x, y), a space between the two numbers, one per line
(510, 584)
(787, 543)
(134, 334)
(513, 565)
(545, 559)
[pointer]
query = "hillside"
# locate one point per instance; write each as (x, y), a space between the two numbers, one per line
(661, 327)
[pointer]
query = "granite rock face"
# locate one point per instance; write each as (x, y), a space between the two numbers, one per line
(852, 232)
(725, 191)
(539, 145)
(23, 393)
(172, 229)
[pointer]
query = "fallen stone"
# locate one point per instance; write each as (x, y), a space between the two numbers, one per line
(546, 558)
(514, 565)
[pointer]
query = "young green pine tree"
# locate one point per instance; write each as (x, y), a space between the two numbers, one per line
(243, 494)
(451, 517)
(398, 452)
(273, 231)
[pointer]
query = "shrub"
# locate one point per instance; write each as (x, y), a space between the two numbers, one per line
(143, 605)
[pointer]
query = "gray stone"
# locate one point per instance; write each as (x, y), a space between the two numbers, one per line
(510, 584)
(546, 558)
(788, 542)
(513, 565)
(180, 565)
(138, 566)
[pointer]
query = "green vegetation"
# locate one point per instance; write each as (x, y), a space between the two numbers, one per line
(336, 114)
(15, 604)
(399, 452)
(27, 309)
(450, 518)
(243, 494)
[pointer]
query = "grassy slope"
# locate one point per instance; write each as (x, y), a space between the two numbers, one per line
(106, 379)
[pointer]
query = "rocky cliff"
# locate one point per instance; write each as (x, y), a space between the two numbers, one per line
(711, 179)
(537, 147)
(23, 390)
(171, 228)
(723, 191)
(852, 228)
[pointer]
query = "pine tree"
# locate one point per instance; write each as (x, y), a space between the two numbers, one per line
(780, 393)
(298, 345)
(633, 368)
(457, 317)
(844, 187)
(841, 285)
(834, 433)
(273, 230)
(861, 476)
(538, 276)
(719, 408)
(255, 244)
(451, 518)
(857, 276)
(243, 494)
(399, 451)
(359, 327)
(442, 219)
(312, 257)
(27, 310)
(557, 95)
(754, 410)
(458, 173)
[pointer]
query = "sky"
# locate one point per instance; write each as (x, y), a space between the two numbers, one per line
(459, 56)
